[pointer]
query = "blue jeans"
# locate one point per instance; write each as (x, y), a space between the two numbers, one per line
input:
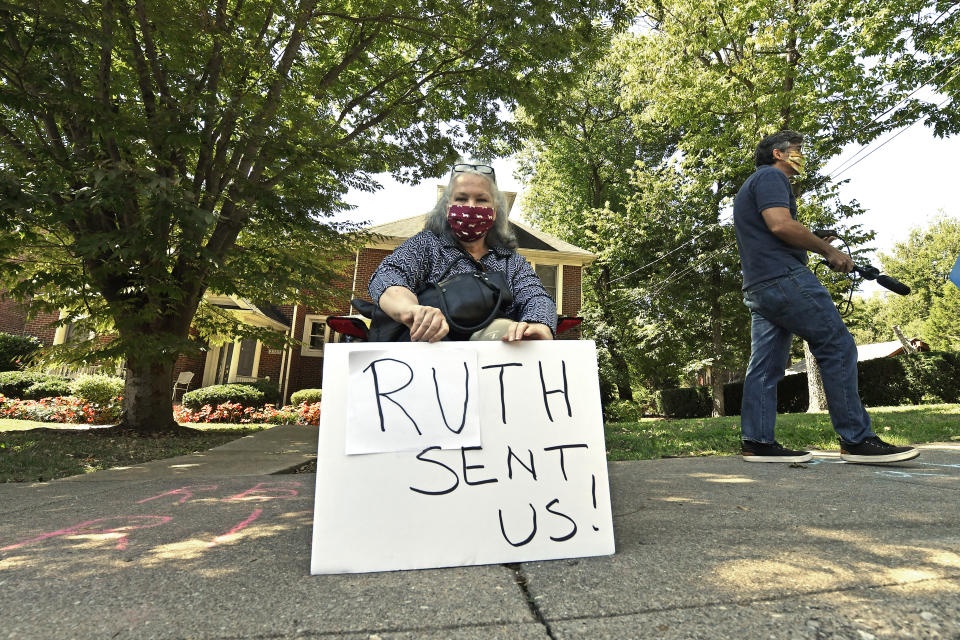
(797, 303)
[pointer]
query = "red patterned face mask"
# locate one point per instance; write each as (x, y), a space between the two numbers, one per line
(470, 223)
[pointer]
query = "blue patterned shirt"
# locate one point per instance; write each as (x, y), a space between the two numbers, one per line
(426, 256)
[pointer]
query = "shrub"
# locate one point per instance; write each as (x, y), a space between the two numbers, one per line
(305, 395)
(13, 384)
(270, 390)
(793, 394)
(622, 411)
(935, 374)
(883, 382)
(219, 394)
(46, 389)
(99, 389)
(686, 402)
(15, 349)
(905, 379)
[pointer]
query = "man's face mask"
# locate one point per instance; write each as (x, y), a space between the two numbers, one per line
(470, 223)
(796, 160)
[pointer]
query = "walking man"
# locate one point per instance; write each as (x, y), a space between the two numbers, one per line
(785, 298)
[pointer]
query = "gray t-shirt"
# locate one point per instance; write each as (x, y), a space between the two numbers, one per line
(762, 254)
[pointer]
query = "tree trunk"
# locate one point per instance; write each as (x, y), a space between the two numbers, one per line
(147, 400)
(716, 391)
(818, 398)
(716, 339)
(624, 388)
(622, 374)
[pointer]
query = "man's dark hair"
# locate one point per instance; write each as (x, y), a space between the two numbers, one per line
(779, 140)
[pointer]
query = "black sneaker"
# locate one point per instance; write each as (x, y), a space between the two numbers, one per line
(875, 450)
(772, 452)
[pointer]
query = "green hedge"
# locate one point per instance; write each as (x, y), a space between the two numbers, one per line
(46, 389)
(931, 376)
(244, 394)
(937, 372)
(792, 395)
(100, 389)
(270, 390)
(309, 396)
(622, 411)
(686, 402)
(15, 349)
(14, 384)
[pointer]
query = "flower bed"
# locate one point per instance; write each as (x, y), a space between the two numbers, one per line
(61, 409)
(235, 413)
(76, 411)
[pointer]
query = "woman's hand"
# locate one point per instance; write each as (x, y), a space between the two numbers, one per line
(527, 331)
(427, 324)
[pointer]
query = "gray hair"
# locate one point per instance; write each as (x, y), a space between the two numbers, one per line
(500, 234)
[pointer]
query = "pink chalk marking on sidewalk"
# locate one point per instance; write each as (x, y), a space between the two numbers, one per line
(237, 529)
(185, 492)
(263, 491)
(82, 529)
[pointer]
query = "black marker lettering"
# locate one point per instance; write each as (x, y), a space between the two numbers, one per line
(512, 456)
(560, 448)
(466, 398)
(546, 393)
(528, 538)
(463, 455)
(573, 532)
(376, 388)
(593, 492)
(503, 404)
(456, 478)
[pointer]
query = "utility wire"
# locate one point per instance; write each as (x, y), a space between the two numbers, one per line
(846, 165)
(652, 291)
(833, 174)
(710, 227)
(885, 142)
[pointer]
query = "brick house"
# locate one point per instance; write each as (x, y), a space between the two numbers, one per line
(559, 265)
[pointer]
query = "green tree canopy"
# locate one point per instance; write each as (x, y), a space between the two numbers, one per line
(709, 80)
(153, 150)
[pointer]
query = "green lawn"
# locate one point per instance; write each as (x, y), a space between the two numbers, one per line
(41, 451)
(33, 451)
(658, 438)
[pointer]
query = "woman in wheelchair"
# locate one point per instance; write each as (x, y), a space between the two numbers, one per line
(461, 277)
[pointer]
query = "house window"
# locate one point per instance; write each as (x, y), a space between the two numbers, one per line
(71, 333)
(316, 333)
(548, 276)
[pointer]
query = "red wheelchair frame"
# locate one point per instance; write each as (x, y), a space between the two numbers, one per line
(356, 327)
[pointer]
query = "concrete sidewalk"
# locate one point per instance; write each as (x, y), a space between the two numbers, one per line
(212, 546)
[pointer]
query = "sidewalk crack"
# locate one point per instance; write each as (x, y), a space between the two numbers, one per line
(521, 579)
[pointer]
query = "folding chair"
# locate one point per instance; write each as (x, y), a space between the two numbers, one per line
(182, 384)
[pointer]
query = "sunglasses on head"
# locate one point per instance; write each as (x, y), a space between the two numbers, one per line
(485, 169)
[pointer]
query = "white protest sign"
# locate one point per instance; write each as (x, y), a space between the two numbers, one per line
(406, 409)
(534, 488)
